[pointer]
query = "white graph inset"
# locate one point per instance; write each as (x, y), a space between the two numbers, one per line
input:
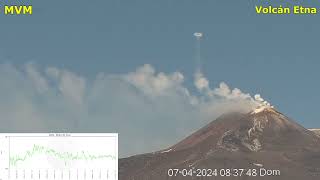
(59, 156)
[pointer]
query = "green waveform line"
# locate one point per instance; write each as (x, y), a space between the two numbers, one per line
(64, 156)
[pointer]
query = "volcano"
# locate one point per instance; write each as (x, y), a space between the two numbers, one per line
(261, 144)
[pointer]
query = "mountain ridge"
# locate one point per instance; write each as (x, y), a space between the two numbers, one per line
(265, 138)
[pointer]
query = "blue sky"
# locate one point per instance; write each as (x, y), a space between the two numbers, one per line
(276, 56)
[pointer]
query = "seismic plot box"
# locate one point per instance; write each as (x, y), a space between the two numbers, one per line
(72, 156)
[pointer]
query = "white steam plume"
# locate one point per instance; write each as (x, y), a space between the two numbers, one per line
(149, 109)
(200, 82)
(240, 101)
(261, 102)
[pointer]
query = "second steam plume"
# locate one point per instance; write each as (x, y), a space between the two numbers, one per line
(198, 36)
(201, 83)
(223, 91)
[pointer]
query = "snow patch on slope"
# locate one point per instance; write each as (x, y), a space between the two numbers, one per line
(257, 164)
(165, 151)
(316, 131)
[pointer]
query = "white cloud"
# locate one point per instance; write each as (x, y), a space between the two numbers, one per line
(149, 109)
(146, 79)
(37, 80)
(201, 83)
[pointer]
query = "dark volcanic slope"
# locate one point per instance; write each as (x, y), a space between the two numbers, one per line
(265, 139)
